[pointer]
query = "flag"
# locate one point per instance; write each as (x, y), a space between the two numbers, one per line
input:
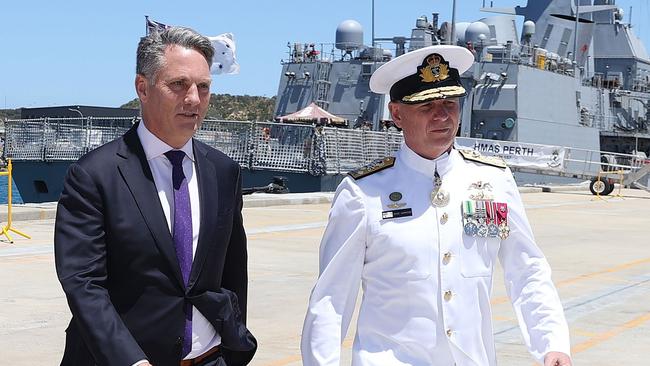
(224, 60)
(153, 26)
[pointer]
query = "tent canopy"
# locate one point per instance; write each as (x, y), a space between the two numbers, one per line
(312, 113)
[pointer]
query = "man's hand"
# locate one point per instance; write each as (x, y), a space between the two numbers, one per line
(557, 359)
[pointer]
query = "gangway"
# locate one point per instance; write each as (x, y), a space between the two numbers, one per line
(602, 168)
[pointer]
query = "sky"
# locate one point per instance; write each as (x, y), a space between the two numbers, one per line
(81, 52)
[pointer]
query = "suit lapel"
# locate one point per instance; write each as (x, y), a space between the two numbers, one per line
(137, 175)
(208, 198)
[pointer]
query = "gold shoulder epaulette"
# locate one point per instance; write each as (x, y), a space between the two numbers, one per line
(476, 156)
(374, 167)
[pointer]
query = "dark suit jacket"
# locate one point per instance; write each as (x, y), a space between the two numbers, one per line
(116, 261)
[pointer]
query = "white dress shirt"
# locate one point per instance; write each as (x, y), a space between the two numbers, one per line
(426, 284)
(204, 336)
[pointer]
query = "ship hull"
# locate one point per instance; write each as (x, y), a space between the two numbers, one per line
(39, 181)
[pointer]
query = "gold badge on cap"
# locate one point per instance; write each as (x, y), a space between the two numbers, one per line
(435, 69)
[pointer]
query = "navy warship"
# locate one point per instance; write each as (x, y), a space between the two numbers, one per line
(564, 98)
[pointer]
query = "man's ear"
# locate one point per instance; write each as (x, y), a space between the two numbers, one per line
(395, 113)
(141, 84)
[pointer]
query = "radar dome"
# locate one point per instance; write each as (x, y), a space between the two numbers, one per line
(460, 31)
(474, 30)
(349, 35)
(529, 28)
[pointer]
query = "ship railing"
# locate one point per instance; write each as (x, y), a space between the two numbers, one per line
(346, 149)
(52, 139)
(261, 145)
(563, 161)
(587, 164)
(301, 148)
(312, 149)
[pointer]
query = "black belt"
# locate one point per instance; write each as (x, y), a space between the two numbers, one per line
(198, 359)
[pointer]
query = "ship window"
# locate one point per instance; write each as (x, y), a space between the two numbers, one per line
(366, 69)
(40, 186)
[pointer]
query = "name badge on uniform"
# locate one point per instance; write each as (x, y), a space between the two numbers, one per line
(393, 214)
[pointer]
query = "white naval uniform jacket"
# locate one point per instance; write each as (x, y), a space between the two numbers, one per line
(405, 317)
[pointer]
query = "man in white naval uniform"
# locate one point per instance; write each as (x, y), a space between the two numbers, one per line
(421, 232)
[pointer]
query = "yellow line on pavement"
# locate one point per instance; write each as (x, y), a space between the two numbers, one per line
(504, 299)
(610, 334)
(605, 271)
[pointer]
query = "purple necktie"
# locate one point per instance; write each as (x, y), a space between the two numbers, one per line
(182, 233)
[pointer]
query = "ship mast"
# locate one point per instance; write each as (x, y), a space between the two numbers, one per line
(452, 36)
(575, 33)
(373, 23)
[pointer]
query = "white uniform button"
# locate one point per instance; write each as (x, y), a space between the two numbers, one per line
(448, 332)
(446, 258)
(447, 295)
(444, 218)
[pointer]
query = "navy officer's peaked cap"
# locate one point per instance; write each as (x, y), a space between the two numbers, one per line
(423, 75)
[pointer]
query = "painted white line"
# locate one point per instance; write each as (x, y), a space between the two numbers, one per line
(281, 228)
(31, 250)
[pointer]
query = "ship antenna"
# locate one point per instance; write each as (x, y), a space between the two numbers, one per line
(630, 16)
(373, 23)
(575, 38)
(453, 24)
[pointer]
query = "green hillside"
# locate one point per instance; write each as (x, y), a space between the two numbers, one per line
(233, 107)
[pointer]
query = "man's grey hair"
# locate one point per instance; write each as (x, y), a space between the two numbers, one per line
(151, 49)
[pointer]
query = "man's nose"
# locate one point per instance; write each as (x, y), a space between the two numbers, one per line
(440, 112)
(192, 95)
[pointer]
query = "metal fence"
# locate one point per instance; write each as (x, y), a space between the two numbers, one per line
(309, 149)
(60, 139)
(254, 145)
(345, 150)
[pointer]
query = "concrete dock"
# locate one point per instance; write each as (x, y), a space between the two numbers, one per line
(599, 249)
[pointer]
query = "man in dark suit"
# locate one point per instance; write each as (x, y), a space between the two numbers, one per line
(149, 242)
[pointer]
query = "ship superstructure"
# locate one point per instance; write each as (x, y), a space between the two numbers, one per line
(540, 84)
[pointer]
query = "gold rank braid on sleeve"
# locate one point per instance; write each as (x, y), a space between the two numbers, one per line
(374, 167)
(476, 156)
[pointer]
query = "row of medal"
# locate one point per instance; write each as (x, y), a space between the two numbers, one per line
(485, 219)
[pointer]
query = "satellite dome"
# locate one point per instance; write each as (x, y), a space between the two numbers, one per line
(349, 35)
(474, 30)
(460, 31)
(529, 28)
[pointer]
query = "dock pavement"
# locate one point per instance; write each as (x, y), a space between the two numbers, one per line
(598, 248)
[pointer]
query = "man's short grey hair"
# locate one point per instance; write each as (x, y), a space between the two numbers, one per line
(151, 49)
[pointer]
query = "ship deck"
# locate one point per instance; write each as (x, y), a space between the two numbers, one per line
(598, 249)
